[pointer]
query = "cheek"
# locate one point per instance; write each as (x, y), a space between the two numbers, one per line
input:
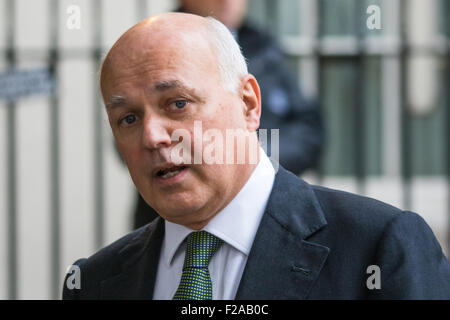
(228, 115)
(132, 158)
(210, 182)
(234, 114)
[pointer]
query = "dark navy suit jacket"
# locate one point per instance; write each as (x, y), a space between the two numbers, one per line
(312, 243)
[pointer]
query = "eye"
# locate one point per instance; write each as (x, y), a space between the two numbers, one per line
(128, 120)
(179, 104)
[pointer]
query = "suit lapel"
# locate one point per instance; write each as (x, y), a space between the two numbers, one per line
(139, 264)
(282, 264)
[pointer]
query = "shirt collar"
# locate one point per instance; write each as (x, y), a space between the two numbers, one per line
(247, 207)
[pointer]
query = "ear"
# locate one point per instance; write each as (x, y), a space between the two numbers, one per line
(251, 96)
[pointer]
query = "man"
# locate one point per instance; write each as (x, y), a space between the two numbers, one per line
(235, 231)
(284, 107)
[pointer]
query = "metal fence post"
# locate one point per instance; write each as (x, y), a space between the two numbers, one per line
(55, 194)
(98, 133)
(12, 160)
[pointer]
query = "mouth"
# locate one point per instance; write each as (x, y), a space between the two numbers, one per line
(170, 172)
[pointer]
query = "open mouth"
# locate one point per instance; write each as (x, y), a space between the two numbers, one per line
(170, 172)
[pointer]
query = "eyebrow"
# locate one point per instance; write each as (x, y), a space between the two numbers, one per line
(171, 84)
(166, 85)
(116, 101)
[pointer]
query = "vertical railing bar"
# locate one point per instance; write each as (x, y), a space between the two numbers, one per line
(271, 14)
(308, 61)
(309, 26)
(405, 118)
(390, 92)
(447, 123)
(11, 151)
(359, 117)
(142, 9)
(98, 133)
(55, 194)
(320, 90)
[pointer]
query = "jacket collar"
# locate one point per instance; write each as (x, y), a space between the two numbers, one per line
(139, 263)
(294, 205)
(281, 254)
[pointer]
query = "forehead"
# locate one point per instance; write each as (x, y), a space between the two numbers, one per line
(158, 57)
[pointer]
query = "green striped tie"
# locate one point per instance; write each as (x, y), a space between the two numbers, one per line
(195, 281)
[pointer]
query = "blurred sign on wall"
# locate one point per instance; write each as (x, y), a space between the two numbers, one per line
(22, 83)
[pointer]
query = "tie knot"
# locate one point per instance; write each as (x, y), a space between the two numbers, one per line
(201, 246)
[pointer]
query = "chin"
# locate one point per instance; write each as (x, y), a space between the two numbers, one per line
(180, 215)
(176, 209)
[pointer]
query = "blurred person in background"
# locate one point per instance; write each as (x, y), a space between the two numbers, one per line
(284, 106)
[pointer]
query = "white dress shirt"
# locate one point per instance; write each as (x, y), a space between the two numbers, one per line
(236, 225)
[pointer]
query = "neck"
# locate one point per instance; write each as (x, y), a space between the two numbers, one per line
(203, 216)
(242, 178)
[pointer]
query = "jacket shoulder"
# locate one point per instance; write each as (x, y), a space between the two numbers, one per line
(360, 211)
(105, 263)
(109, 253)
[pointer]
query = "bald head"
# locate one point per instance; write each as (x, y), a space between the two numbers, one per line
(192, 34)
(162, 78)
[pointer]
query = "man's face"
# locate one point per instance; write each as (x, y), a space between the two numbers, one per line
(229, 12)
(153, 88)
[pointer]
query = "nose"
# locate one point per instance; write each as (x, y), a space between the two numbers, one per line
(155, 133)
